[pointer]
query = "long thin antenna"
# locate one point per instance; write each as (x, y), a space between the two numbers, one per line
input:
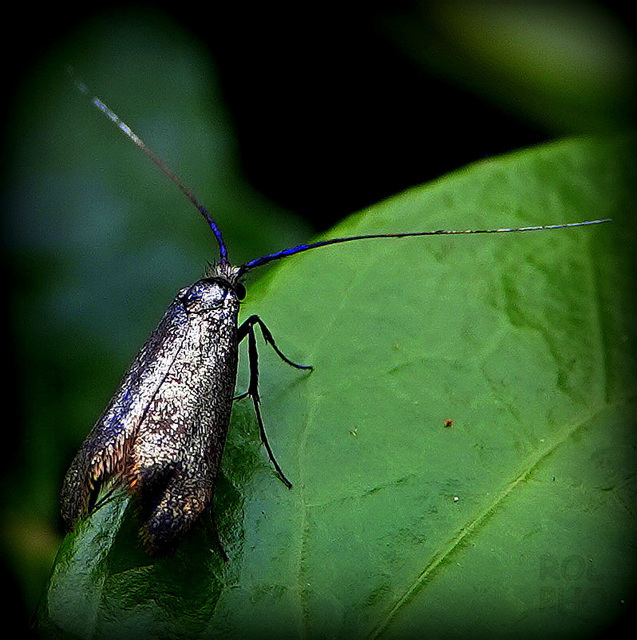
(258, 262)
(111, 115)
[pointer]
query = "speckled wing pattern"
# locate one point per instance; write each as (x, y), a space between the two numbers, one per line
(163, 432)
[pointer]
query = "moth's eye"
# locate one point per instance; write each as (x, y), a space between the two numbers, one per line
(240, 290)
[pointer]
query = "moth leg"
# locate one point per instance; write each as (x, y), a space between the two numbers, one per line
(247, 327)
(253, 392)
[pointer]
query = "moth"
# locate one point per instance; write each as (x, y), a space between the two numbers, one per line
(163, 433)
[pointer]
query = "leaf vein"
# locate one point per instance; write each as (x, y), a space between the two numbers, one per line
(465, 532)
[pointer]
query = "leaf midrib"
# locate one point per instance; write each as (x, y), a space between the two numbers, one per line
(457, 542)
(473, 526)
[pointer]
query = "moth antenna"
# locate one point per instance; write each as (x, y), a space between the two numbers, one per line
(126, 130)
(259, 262)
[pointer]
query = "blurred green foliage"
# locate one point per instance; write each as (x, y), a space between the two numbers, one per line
(565, 67)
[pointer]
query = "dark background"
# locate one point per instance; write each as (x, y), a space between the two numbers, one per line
(334, 107)
(365, 100)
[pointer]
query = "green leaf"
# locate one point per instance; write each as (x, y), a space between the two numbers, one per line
(513, 520)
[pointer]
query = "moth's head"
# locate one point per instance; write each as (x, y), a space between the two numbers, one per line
(228, 274)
